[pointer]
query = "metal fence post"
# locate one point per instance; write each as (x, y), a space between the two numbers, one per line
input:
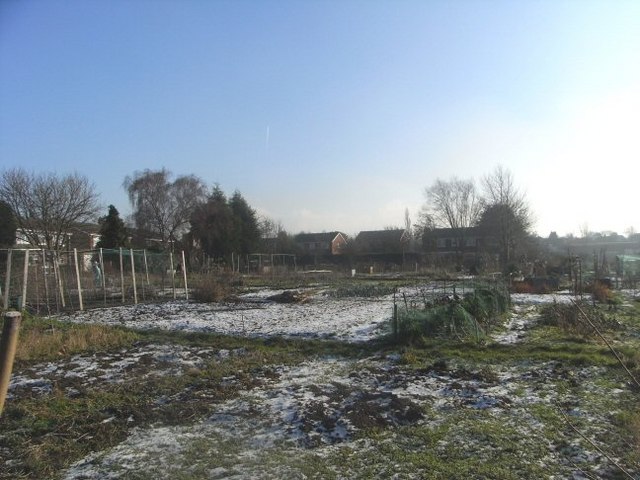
(8, 344)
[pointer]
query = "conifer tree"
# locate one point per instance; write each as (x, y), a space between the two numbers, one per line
(113, 232)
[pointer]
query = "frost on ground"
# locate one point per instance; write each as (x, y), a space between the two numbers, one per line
(341, 418)
(308, 421)
(83, 371)
(320, 317)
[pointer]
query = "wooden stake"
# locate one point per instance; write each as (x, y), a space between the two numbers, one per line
(173, 275)
(104, 281)
(25, 280)
(184, 275)
(75, 261)
(146, 267)
(46, 282)
(133, 277)
(121, 275)
(8, 345)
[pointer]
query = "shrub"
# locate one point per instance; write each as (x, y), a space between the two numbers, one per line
(486, 304)
(568, 318)
(454, 317)
(602, 293)
(451, 321)
(208, 288)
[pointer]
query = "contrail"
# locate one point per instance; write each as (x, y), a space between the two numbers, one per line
(266, 145)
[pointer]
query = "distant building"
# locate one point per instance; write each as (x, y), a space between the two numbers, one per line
(460, 245)
(83, 236)
(326, 243)
(383, 241)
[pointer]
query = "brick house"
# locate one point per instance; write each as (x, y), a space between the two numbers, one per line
(326, 243)
(383, 241)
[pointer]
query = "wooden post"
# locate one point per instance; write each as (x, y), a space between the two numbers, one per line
(78, 284)
(173, 275)
(46, 282)
(103, 278)
(58, 275)
(133, 277)
(184, 275)
(146, 267)
(25, 280)
(121, 275)
(8, 344)
(7, 282)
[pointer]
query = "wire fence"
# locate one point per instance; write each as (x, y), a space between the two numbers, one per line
(45, 282)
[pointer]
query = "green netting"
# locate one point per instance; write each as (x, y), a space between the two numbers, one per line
(469, 317)
(451, 320)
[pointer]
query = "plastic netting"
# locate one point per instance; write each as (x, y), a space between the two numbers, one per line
(46, 282)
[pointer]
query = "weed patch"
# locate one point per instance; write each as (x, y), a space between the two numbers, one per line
(49, 339)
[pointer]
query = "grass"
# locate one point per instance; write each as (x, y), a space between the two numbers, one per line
(41, 340)
(43, 435)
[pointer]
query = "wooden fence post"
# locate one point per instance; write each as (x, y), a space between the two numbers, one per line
(25, 281)
(184, 275)
(8, 344)
(133, 277)
(173, 275)
(78, 284)
(46, 281)
(103, 277)
(121, 275)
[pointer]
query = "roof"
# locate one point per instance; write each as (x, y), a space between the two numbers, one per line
(317, 237)
(395, 235)
(453, 232)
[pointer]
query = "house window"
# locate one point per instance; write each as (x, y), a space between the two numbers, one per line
(470, 242)
(441, 243)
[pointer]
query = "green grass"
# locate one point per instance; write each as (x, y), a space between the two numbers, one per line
(46, 434)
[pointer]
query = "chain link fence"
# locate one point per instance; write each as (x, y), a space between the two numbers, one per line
(45, 282)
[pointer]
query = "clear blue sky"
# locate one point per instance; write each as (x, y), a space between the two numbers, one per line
(332, 115)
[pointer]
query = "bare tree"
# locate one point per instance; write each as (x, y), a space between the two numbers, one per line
(500, 189)
(163, 207)
(454, 203)
(47, 207)
(506, 212)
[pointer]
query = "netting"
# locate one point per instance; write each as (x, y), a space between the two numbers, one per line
(629, 270)
(453, 310)
(45, 282)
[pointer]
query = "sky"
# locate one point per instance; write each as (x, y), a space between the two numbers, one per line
(332, 115)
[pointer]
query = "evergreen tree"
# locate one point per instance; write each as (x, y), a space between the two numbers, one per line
(246, 230)
(8, 225)
(212, 225)
(113, 233)
(221, 227)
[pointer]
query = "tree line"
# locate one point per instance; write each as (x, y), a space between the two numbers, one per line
(499, 209)
(167, 213)
(170, 212)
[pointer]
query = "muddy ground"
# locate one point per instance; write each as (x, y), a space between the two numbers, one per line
(388, 414)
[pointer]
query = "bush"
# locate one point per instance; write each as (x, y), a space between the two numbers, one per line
(486, 304)
(209, 289)
(602, 293)
(462, 318)
(451, 321)
(568, 318)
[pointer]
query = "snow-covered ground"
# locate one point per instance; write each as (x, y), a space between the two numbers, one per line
(322, 316)
(314, 411)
